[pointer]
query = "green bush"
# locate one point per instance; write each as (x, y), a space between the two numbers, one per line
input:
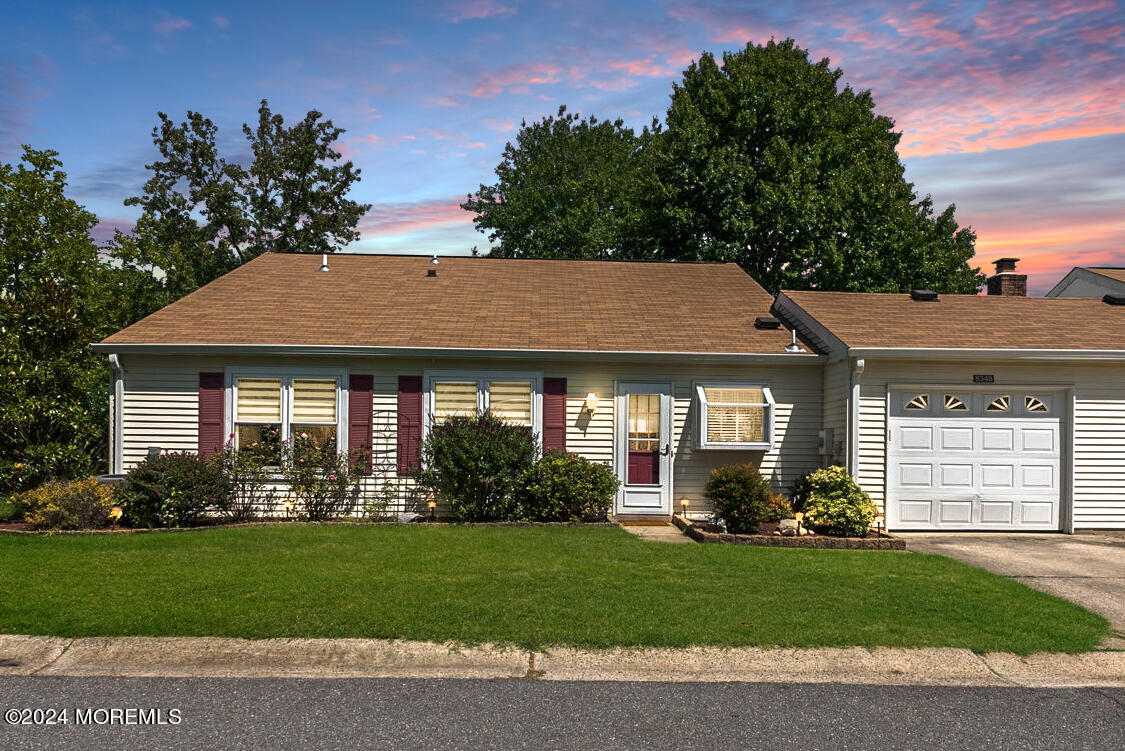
(172, 490)
(777, 508)
(476, 464)
(323, 482)
(11, 510)
(740, 495)
(251, 475)
(834, 504)
(564, 487)
(78, 504)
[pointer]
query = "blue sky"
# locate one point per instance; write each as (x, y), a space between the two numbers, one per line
(1015, 111)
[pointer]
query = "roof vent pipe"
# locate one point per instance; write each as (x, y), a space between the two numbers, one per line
(323, 262)
(434, 261)
(793, 347)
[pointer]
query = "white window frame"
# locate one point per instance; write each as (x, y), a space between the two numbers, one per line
(287, 375)
(482, 378)
(701, 424)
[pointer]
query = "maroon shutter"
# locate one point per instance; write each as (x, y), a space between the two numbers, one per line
(211, 395)
(360, 388)
(409, 423)
(554, 414)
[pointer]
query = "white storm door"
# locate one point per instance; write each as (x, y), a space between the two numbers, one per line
(643, 448)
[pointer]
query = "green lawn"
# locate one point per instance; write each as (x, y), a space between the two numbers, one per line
(530, 586)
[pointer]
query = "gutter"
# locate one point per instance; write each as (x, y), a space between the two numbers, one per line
(513, 354)
(961, 353)
(858, 366)
(117, 429)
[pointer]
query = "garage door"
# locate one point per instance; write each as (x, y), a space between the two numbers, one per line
(963, 460)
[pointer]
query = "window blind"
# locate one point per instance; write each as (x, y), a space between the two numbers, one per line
(735, 414)
(511, 401)
(314, 400)
(454, 398)
(259, 400)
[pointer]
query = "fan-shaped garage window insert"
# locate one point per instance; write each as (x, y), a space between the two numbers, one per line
(922, 401)
(1000, 404)
(1034, 404)
(954, 404)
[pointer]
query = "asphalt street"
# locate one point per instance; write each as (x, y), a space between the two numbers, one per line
(516, 714)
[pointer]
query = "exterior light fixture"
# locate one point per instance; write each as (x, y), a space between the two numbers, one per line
(115, 514)
(684, 503)
(879, 523)
(591, 403)
(288, 505)
(799, 517)
(433, 506)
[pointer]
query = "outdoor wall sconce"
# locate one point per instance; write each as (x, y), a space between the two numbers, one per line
(591, 403)
(433, 506)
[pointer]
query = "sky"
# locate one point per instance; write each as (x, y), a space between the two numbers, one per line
(1013, 111)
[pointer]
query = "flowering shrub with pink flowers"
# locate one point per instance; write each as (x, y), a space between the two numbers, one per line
(172, 490)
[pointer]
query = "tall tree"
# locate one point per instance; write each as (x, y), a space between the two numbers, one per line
(569, 187)
(52, 410)
(763, 160)
(769, 163)
(204, 214)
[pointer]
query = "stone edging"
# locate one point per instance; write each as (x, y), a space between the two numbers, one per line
(883, 542)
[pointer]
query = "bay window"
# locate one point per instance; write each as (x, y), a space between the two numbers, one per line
(270, 409)
(734, 416)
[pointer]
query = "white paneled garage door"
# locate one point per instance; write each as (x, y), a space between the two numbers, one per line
(974, 459)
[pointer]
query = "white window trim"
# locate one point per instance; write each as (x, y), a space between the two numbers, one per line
(482, 377)
(340, 375)
(701, 424)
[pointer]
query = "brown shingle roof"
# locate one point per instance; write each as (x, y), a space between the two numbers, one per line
(473, 303)
(1112, 273)
(966, 321)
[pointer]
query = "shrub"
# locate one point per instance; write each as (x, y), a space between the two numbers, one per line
(778, 507)
(78, 504)
(476, 464)
(740, 495)
(252, 482)
(322, 481)
(172, 490)
(834, 504)
(11, 510)
(564, 487)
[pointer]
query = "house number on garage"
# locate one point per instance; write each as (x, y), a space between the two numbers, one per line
(984, 379)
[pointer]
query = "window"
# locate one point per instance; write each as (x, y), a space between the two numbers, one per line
(1034, 404)
(735, 416)
(272, 409)
(920, 402)
(1000, 403)
(514, 397)
(954, 404)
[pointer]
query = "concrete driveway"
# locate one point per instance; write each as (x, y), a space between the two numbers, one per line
(1088, 569)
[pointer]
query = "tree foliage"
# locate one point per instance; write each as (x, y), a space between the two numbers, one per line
(763, 160)
(204, 214)
(569, 187)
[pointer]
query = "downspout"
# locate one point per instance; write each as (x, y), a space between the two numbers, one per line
(853, 417)
(116, 419)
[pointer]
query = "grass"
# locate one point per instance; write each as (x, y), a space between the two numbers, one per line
(529, 586)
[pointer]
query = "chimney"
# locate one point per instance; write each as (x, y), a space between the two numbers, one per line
(1006, 282)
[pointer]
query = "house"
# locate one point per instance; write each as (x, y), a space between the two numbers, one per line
(956, 412)
(1090, 282)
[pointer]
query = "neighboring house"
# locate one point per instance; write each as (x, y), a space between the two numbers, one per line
(664, 371)
(1090, 282)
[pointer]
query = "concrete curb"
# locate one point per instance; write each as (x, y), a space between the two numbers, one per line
(209, 657)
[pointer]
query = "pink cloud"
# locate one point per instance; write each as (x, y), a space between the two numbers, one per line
(467, 10)
(446, 101)
(516, 77)
(221, 22)
(170, 25)
(500, 126)
(1095, 35)
(399, 218)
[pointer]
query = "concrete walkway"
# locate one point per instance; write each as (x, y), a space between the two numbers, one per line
(1088, 569)
(657, 532)
(371, 658)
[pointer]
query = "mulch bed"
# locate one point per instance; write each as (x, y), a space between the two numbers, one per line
(703, 532)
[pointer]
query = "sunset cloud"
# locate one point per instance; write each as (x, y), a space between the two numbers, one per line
(170, 25)
(467, 10)
(400, 218)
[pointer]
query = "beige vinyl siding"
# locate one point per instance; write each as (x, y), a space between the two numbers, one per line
(837, 387)
(159, 407)
(1097, 435)
(161, 395)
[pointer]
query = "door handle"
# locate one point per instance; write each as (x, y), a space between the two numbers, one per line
(666, 450)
